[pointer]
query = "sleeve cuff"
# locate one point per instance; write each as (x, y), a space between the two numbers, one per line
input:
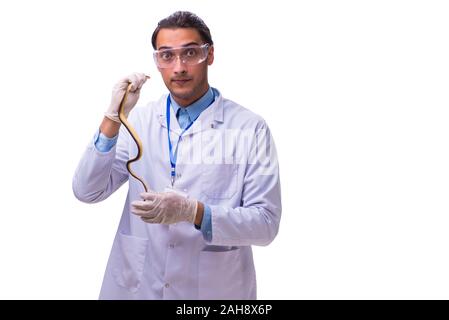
(206, 224)
(103, 143)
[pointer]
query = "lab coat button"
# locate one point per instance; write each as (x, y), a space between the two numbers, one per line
(167, 285)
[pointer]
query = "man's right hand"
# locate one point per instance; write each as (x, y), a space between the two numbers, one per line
(137, 80)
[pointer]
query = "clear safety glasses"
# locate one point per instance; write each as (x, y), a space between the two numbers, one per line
(190, 55)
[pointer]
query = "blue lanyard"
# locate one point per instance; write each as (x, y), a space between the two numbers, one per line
(173, 157)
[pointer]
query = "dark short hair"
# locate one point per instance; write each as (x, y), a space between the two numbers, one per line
(183, 19)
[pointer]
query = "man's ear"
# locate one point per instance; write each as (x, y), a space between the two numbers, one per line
(210, 57)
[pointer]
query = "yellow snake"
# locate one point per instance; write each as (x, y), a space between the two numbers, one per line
(133, 134)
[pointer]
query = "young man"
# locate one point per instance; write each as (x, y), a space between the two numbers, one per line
(212, 170)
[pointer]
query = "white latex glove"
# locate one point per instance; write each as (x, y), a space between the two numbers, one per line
(165, 208)
(137, 80)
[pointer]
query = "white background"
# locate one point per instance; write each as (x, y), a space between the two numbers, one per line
(356, 96)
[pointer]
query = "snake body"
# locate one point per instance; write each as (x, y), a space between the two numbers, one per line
(134, 135)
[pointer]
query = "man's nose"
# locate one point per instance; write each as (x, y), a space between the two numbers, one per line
(179, 66)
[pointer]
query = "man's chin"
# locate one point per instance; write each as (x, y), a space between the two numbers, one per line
(181, 93)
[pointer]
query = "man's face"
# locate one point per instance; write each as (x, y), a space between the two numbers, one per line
(187, 83)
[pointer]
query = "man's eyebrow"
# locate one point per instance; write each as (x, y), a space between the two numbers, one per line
(184, 45)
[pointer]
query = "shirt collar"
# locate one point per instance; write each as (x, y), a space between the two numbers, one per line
(195, 109)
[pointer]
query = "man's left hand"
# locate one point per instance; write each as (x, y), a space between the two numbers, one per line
(165, 208)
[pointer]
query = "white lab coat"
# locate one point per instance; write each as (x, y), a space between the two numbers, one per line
(153, 261)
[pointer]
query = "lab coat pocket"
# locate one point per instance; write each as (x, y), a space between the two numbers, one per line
(220, 275)
(128, 259)
(219, 181)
